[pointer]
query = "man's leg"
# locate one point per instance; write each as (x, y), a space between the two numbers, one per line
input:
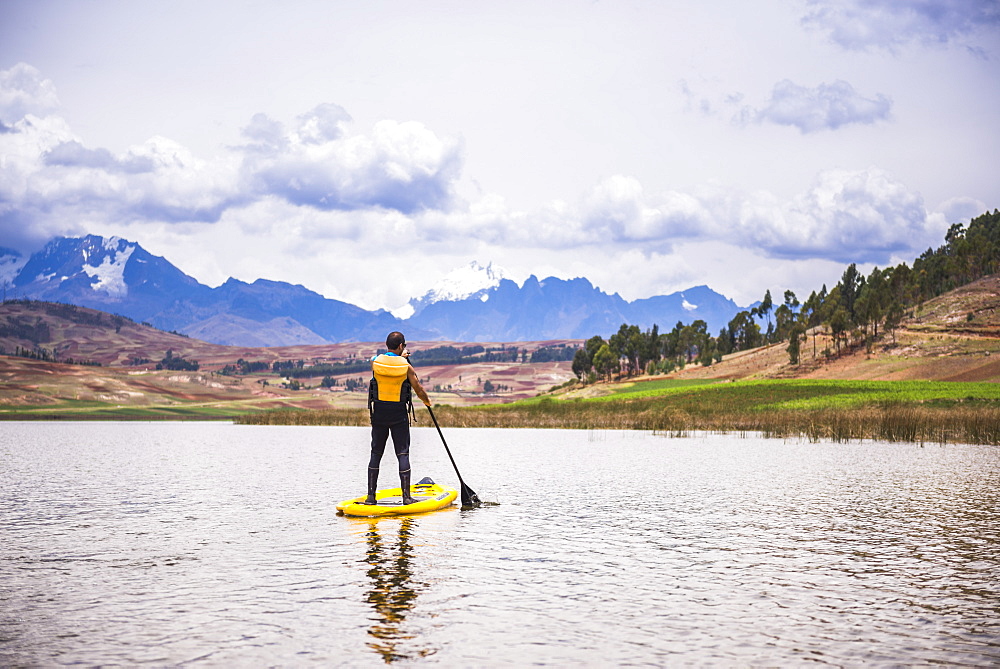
(401, 444)
(380, 433)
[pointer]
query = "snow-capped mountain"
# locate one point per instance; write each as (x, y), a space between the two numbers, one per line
(471, 303)
(118, 276)
(472, 281)
(554, 308)
(103, 273)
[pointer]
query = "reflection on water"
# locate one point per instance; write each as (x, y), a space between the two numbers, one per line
(393, 589)
(218, 546)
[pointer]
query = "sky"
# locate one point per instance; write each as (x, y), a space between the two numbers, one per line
(366, 149)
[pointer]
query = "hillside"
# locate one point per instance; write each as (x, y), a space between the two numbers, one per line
(84, 334)
(953, 337)
(120, 377)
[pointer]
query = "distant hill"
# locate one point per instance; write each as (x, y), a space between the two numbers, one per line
(66, 331)
(60, 360)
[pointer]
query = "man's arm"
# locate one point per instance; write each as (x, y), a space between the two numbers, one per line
(411, 376)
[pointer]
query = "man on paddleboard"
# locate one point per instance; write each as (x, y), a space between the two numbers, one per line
(390, 405)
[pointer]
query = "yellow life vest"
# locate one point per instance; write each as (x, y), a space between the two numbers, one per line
(390, 373)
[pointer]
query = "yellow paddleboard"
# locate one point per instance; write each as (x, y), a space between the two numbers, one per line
(429, 496)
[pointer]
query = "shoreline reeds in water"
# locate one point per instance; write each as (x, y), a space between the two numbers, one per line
(885, 422)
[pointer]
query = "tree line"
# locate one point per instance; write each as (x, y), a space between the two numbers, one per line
(437, 356)
(859, 309)
(45, 355)
(177, 363)
(76, 314)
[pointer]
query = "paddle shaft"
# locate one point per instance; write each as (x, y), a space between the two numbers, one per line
(468, 496)
(447, 450)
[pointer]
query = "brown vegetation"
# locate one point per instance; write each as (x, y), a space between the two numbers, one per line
(915, 424)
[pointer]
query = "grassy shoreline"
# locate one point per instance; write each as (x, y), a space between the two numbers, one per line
(934, 412)
(97, 412)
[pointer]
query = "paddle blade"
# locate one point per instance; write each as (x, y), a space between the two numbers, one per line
(469, 497)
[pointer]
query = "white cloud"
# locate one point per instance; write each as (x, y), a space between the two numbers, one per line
(618, 210)
(266, 135)
(51, 183)
(276, 188)
(860, 24)
(825, 107)
(615, 207)
(178, 186)
(845, 216)
(849, 216)
(50, 178)
(57, 177)
(962, 209)
(326, 123)
(23, 223)
(401, 166)
(23, 91)
(743, 273)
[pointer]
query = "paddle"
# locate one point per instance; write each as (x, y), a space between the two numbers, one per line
(469, 497)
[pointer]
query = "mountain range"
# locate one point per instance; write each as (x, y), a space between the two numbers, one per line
(472, 304)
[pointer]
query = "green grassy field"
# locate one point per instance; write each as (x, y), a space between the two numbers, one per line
(915, 411)
(764, 395)
(87, 410)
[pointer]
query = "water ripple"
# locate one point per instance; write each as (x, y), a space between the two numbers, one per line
(169, 544)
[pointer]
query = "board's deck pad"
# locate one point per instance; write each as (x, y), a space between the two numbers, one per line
(389, 502)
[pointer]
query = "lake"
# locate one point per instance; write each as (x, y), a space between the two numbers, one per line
(218, 545)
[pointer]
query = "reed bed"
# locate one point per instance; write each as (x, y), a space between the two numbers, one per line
(916, 423)
(328, 417)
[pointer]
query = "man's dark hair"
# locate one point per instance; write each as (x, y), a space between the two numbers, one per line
(394, 340)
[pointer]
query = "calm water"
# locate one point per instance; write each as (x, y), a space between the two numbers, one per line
(213, 544)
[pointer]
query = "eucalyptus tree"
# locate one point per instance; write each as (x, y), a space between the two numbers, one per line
(764, 309)
(794, 347)
(850, 288)
(745, 331)
(785, 316)
(627, 344)
(582, 363)
(606, 363)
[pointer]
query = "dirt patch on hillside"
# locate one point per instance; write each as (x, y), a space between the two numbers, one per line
(914, 356)
(940, 341)
(972, 310)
